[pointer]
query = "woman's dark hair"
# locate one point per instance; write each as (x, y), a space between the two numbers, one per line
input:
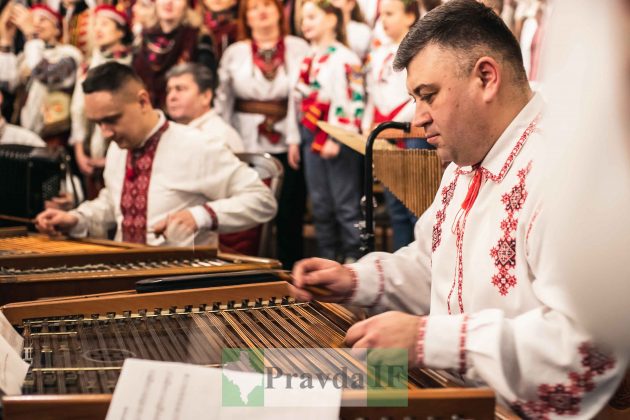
(329, 9)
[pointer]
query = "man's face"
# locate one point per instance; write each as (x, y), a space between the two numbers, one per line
(448, 106)
(184, 102)
(119, 116)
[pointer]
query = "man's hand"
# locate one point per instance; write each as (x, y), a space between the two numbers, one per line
(177, 227)
(395, 330)
(330, 149)
(321, 273)
(55, 221)
(294, 156)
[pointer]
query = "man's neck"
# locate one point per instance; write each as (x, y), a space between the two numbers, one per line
(505, 110)
(188, 119)
(508, 109)
(148, 123)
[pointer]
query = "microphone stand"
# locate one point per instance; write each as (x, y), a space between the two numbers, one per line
(367, 225)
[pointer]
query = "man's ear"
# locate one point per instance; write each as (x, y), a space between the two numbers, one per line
(489, 75)
(144, 100)
(207, 97)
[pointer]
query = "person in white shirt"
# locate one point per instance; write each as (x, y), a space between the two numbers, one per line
(473, 293)
(189, 95)
(160, 176)
(14, 134)
(256, 76)
(51, 68)
(358, 33)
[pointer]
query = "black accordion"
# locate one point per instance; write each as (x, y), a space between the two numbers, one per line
(28, 177)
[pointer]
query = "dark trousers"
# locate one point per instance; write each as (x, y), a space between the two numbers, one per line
(334, 186)
(290, 217)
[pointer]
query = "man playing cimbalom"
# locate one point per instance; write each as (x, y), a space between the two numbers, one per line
(189, 93)
(470, 294)
(160, 176)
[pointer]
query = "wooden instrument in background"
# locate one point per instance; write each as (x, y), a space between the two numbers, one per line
(34, 266)
(412, 175)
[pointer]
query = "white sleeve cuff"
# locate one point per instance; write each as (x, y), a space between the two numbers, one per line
(33, 52)
(370, 283)
(202, 217)
(80, 230)
(445, 342)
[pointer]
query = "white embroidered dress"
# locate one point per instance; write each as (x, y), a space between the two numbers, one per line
(240, 78)
(386, 89)
(496, 315)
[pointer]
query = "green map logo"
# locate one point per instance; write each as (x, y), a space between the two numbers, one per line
(238, 387)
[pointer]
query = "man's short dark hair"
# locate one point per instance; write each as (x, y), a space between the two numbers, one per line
(109, 77)
(202, 75)
(470, 29)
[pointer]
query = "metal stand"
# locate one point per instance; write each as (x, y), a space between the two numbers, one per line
(367, 226)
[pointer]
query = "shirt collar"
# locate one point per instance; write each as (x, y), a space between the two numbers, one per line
(156, 127)
(499, 159)
(202, 119)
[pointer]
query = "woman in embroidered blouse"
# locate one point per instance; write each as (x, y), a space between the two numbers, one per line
(358, 33)
(173, 40)
(388, 100)
(112, 38)
(330, 88)
(256, 75)
(50, 67)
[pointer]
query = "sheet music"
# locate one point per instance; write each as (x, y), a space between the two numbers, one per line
(12, 369)
(12, 337)
(164, 390)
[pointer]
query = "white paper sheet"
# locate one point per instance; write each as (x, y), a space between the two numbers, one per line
(161, 390)
(7, 331)
(12, 369)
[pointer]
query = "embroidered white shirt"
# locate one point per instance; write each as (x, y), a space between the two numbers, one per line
(189, 170)
(496, 315)
(217, 129)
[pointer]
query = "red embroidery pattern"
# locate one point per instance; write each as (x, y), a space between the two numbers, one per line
(355, 284)
(213, 217)
(447, 195)
(459, 274)
(420, 342)
(504, 253)
(515, 151)
(565, 398)
(381, 283)
(462, 346)
(133, 200)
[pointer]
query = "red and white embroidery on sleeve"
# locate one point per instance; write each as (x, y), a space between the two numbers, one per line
(564, 398)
